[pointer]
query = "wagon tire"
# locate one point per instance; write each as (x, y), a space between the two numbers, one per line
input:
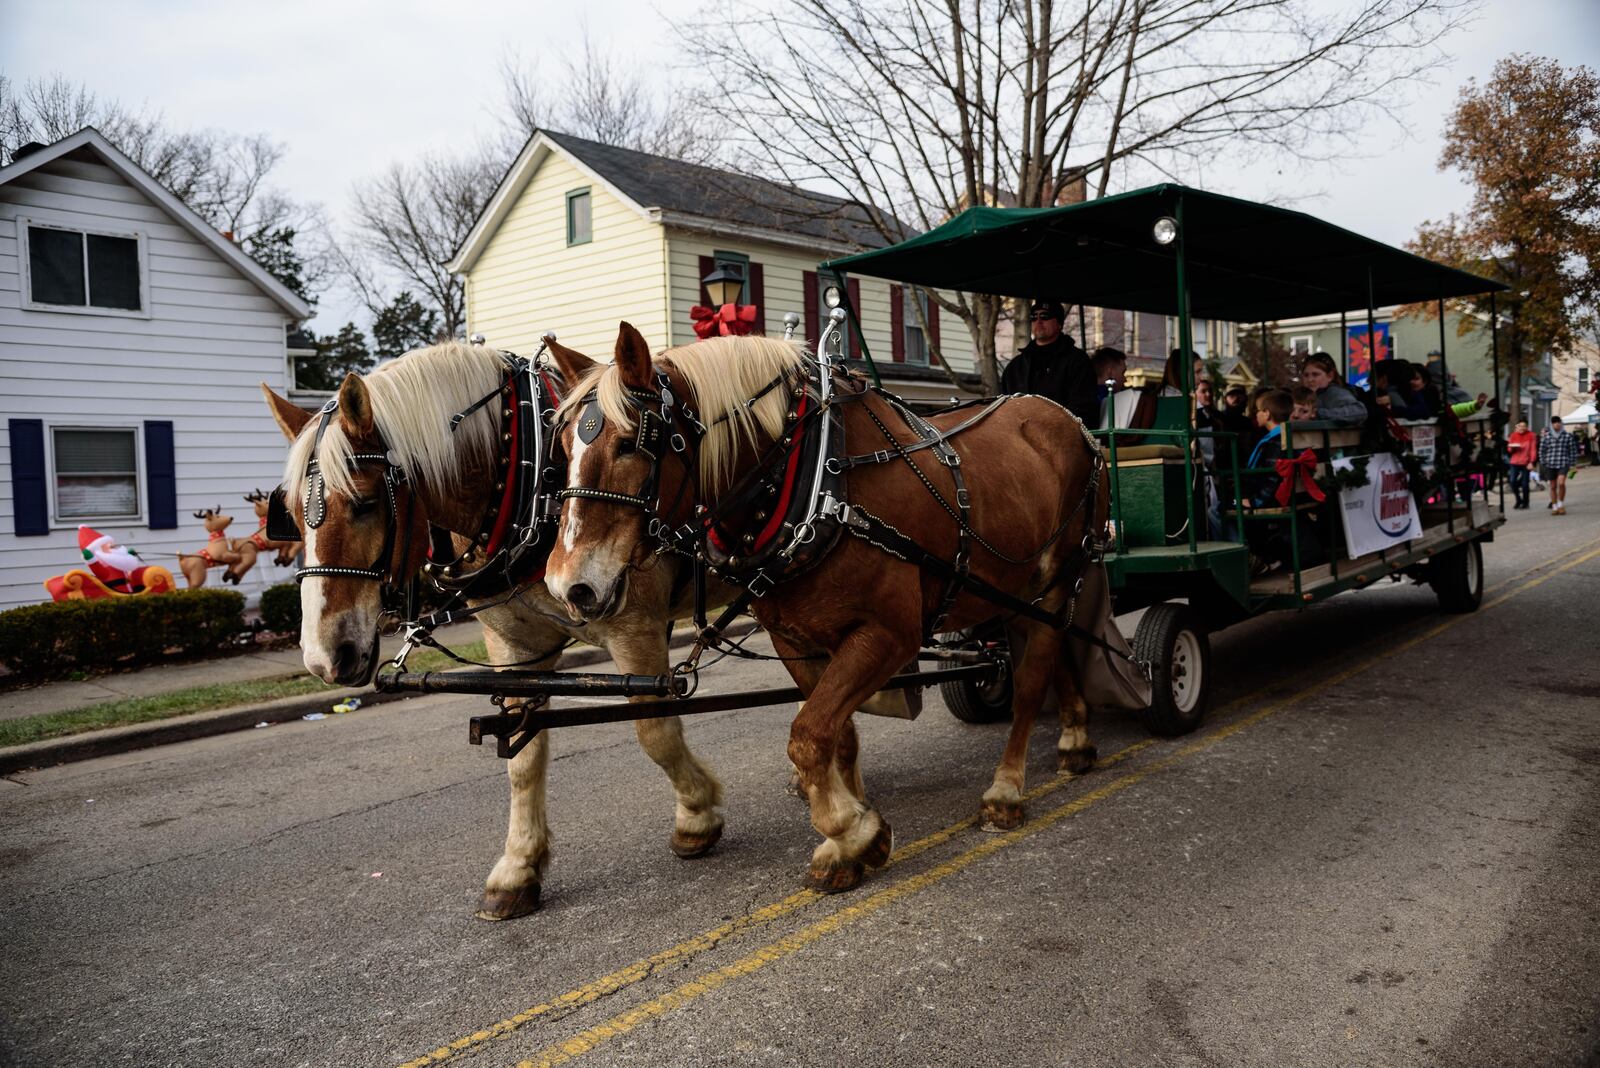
(1457, 578)
(973, 702)
(1172, 641)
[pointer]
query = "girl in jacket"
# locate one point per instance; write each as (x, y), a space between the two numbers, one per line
(1334, 399)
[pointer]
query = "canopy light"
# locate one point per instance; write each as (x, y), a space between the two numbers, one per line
(832, 296)
(1165, 231)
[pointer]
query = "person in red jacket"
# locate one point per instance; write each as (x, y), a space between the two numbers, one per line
(1523, 449)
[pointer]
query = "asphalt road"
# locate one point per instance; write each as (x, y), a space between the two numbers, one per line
(1383, 848)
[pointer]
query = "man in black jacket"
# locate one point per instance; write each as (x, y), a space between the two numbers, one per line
(1052, 366)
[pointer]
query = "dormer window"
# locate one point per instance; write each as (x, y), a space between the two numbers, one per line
(70, 269)
(580, 217)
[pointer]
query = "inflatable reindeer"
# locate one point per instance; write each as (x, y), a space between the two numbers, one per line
(287, 550)
(238, 555)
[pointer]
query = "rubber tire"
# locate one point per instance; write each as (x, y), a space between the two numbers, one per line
(1154, 643)
(971, 703)
(1457, 578)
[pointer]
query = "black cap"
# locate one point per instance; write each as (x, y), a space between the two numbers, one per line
(1053, 307)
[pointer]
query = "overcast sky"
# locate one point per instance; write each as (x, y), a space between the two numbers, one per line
(349, 87)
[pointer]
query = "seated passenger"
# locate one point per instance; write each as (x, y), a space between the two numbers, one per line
(1334, 399)
(1235, 411)
(1205, 420)
(1110, 370)
(1272, 408)
(1271, 542)
(1391, 390)
(1305, 404)
(1422, 387)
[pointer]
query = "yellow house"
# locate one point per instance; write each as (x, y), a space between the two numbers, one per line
(581, 235)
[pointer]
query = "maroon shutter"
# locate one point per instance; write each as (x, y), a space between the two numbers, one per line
(897, 323)
(758, 296)
(813, 323)
(707, 265)
(853, 287)
(933, 328)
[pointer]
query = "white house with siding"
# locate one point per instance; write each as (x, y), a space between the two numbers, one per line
(133, 341)
(580, 235)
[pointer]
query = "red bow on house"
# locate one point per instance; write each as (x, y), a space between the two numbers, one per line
(1302, 466)
(730, 320)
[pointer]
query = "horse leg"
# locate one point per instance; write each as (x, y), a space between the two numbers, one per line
(1074, 752)
(1002, 803)
(513, 886)
(823, 747)
(697, 820)
(805, 671)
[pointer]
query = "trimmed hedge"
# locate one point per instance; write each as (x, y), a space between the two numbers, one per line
(62, 638)
(280, 607)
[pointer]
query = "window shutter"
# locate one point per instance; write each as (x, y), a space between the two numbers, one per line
(30, 502)
(813, 323)
(706, 266)
(933, 327)
(853, 287)
(897, 323)
(758, 296)
(161, 470)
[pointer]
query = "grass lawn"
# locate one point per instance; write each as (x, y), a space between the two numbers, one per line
(129, 710)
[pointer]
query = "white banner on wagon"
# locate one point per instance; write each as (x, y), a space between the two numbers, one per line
(1381, 514)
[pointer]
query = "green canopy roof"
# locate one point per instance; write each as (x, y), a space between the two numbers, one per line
(1243, 261)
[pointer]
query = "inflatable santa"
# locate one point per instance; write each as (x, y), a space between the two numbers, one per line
(113, 569)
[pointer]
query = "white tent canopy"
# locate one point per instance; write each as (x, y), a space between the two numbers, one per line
(1583, 413)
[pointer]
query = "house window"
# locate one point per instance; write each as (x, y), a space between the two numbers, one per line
(95, 472)
(736, 261)
(580, 218)
(1300, 346)
(1584, 381)
(83, 269)
(916, 342)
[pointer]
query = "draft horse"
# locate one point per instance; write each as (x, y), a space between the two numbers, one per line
(420, 443)
(1005, 509)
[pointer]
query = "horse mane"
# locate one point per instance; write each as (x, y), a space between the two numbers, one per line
(413, 398)
(723, 373)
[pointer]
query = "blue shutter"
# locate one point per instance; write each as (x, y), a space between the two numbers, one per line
(30, 502)
(160, 470)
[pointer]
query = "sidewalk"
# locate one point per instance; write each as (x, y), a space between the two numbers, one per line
(153, 681)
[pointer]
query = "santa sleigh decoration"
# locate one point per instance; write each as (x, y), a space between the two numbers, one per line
(237, 555)
(113, 571)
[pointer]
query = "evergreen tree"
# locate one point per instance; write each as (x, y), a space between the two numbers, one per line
(403, 325)
(337, 355)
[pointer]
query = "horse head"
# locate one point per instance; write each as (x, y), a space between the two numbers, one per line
(646, 441)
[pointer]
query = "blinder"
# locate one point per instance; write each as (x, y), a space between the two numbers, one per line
(280, 521)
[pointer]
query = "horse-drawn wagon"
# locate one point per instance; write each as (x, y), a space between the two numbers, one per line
(564, 498)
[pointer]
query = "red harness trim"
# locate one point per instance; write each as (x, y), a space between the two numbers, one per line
(791, 471)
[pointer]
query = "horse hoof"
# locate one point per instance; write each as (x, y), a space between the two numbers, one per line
(508, 904)
(1076, 761)
(794, 789)
(1003, 815)
(877, 852)
(690, 846)
(836, 878)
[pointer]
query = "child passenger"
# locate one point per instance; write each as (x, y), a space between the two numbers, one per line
(1305, 404)
(1270, 542)
(1334, 399)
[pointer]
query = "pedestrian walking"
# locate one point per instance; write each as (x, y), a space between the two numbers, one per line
(1558, 451)
(1522, 450)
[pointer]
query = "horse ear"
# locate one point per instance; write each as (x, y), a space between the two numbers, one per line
(574, 365)
(355, 408)
(291, 420)
(633, 357)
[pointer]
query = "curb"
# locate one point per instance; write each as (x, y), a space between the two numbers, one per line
(114, 740)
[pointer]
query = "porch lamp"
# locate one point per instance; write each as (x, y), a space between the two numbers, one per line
(723, 286)
(1165, 231)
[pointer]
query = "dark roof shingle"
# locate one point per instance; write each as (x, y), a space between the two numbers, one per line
(693, 189)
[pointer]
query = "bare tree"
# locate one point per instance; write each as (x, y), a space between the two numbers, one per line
(919, 111)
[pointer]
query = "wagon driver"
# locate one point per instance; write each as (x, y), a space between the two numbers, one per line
(1052, 366)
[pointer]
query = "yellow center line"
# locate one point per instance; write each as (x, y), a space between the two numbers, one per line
(642, 969)
(621, 1024)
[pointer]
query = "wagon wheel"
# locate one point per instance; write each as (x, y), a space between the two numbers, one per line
(1457, 577)
(974, 702)
(1172, 641)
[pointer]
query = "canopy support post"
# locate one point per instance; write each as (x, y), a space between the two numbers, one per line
(855, 324)
(1083, 332)
(1494, 351)
(1266, 356)
(1344, 347)
(1186, 374)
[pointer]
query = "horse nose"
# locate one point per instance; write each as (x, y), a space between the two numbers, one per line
(582, 597)
(349, 661)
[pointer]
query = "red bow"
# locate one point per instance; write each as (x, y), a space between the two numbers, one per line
(730, 320)
(1398, 432)
(1302, 465)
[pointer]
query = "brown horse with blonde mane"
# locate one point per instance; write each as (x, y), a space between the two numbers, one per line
(855, 616)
